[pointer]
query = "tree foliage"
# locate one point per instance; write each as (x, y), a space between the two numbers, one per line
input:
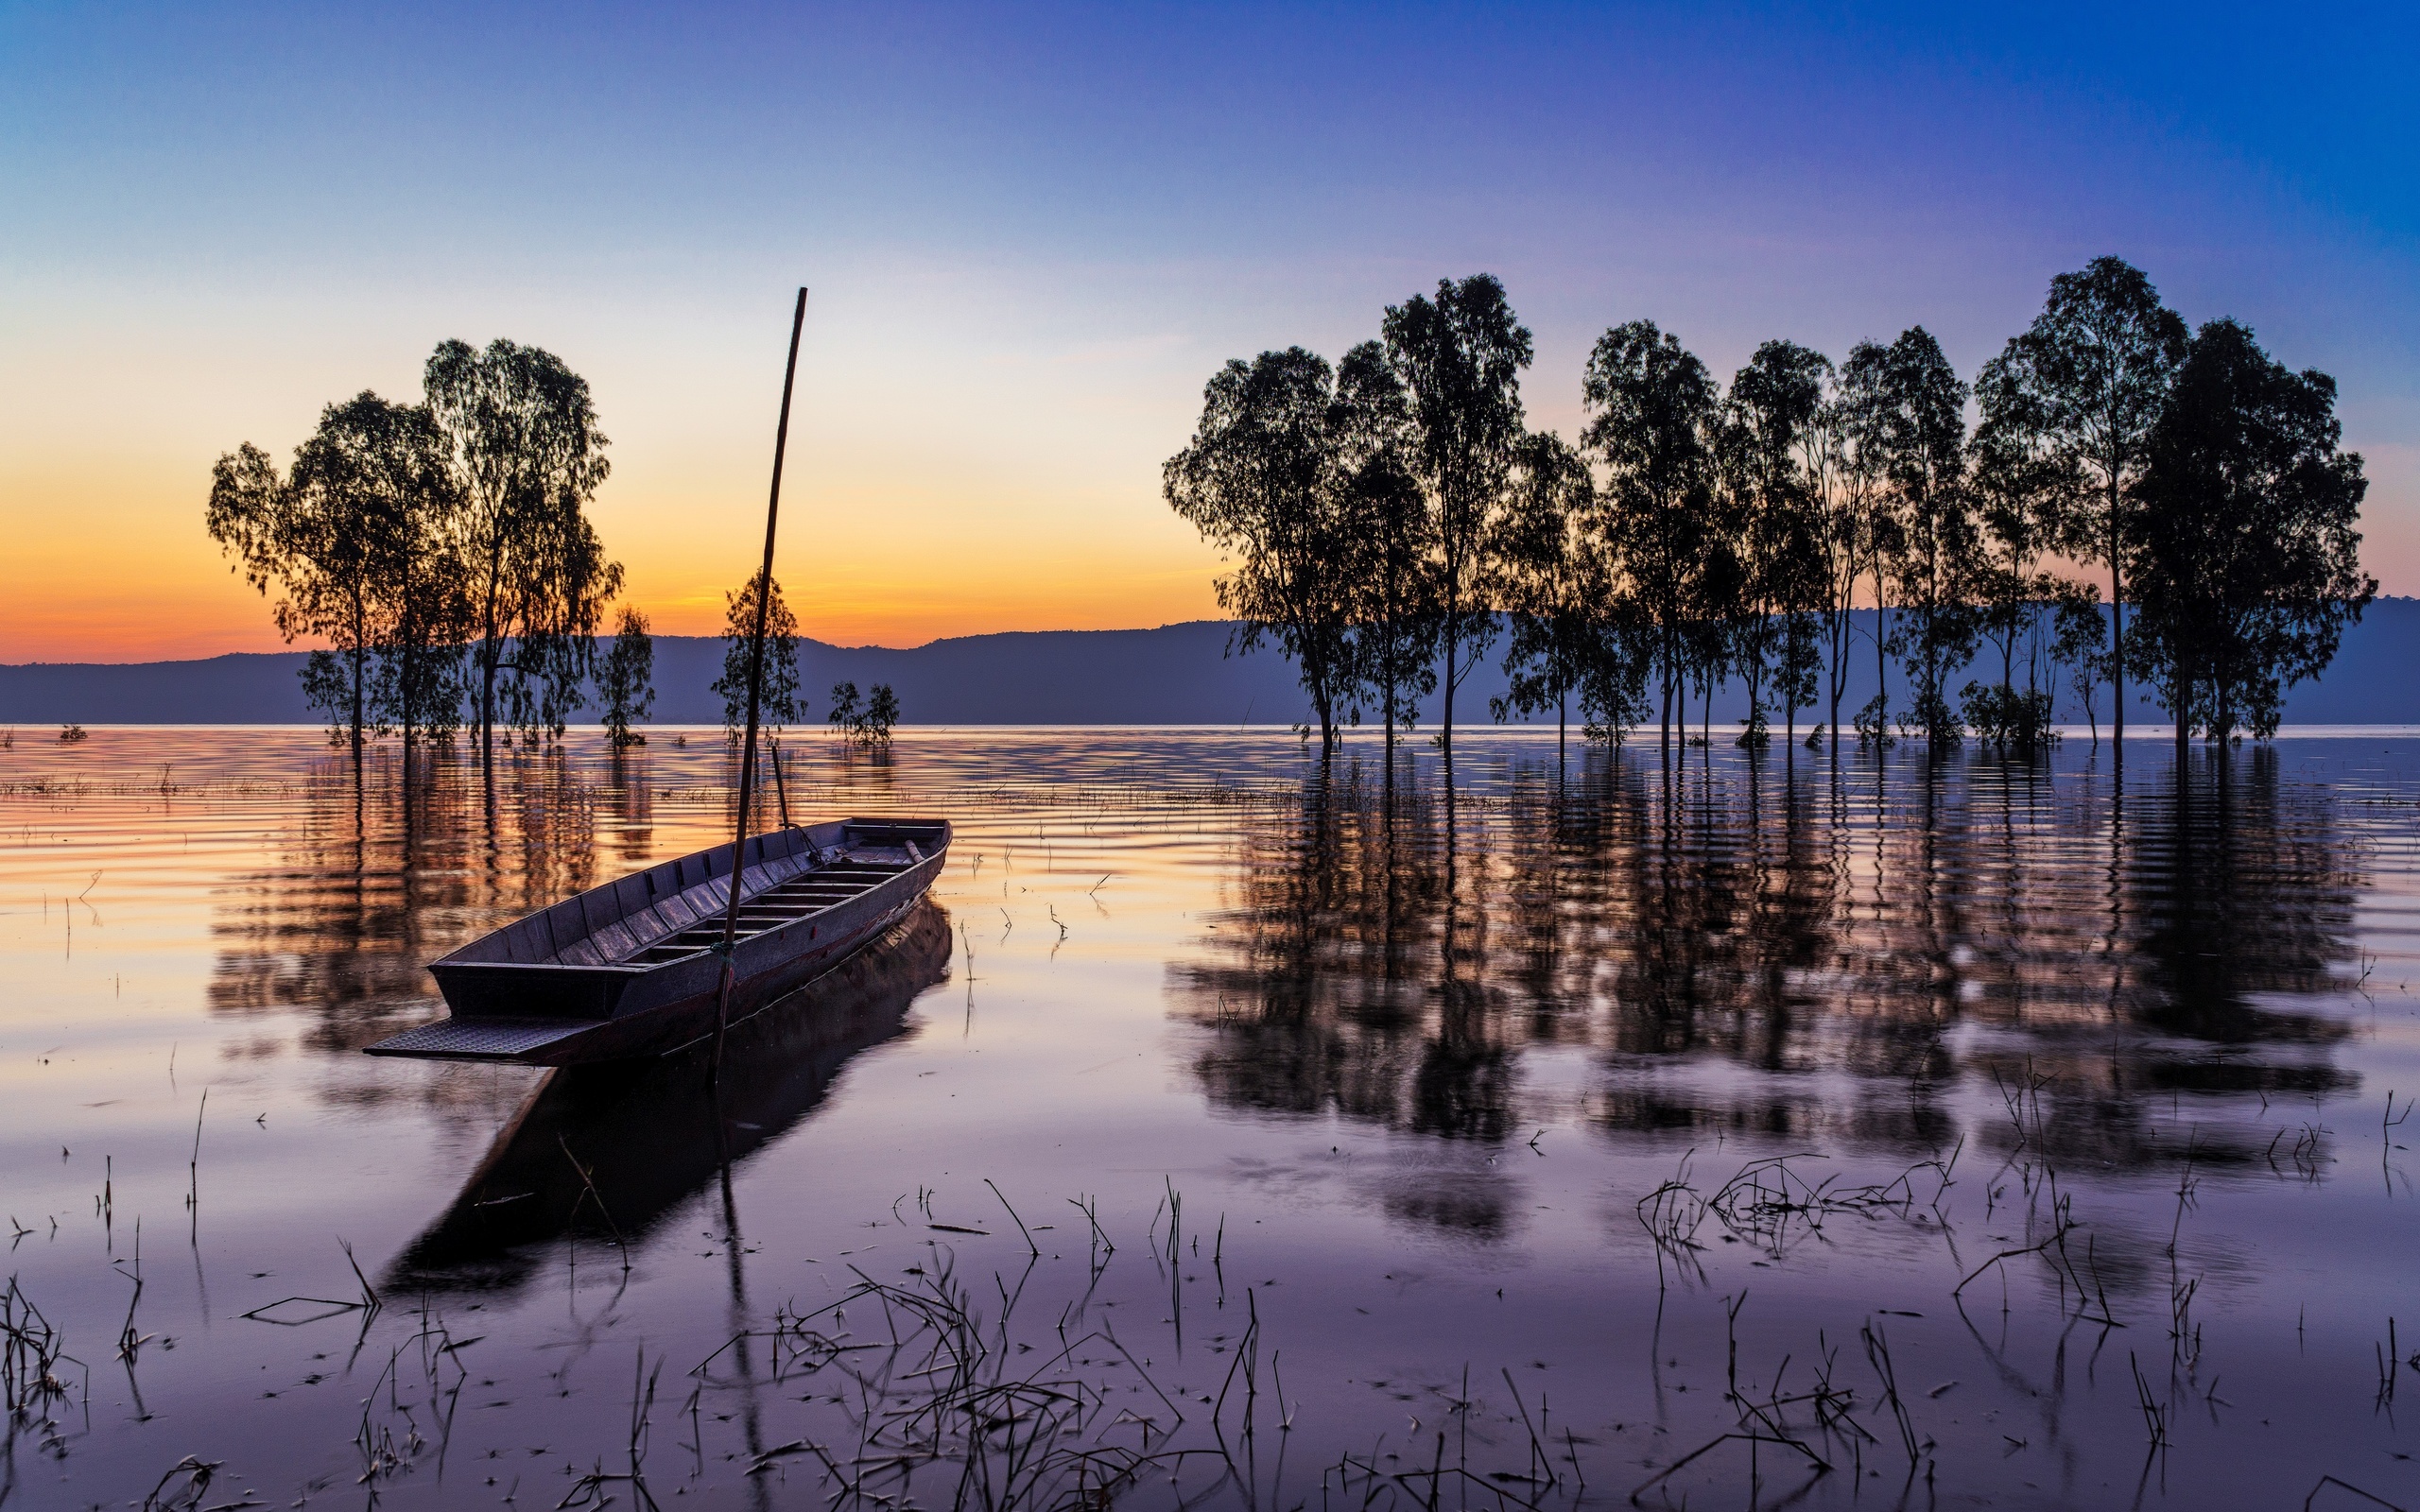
(2243, 547)
(867, 721)
(1777, 526)
(359, 540)
(2084, 386)
(626, 679)
(778, 703)
(1459, 356)
(1653, 415)
(1260, 481)
(526, 453)
(1920, 433)
(1389, 538)
(1555, 582)
(1395, 514)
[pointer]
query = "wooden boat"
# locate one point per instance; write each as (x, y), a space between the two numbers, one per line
(629, 970)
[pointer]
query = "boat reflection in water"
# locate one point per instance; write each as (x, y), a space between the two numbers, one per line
(649, 1134)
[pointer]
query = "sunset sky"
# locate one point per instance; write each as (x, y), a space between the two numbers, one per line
(1031, 235)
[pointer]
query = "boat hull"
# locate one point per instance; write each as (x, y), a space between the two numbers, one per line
(552, 1012)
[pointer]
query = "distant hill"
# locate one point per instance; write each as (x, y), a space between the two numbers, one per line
(1175, 675)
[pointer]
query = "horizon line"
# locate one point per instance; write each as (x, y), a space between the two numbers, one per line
(301, 649)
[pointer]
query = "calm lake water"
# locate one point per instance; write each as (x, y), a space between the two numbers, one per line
(1227, 1135)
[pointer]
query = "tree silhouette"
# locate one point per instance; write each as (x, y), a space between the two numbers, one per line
(2244, 555)
(1258, 483)
(626, 679)
(360, 539)
(1777, 527)
(867, 721)
(2089, 379)
(2026, 487)
(779, 703)
(422, 574)
(1555, 583)
(321, 568)
(1857, 415)
(1394, 512)
(527, 457)
(1460, 357)
(2080, 644)
(1654, 412)
(882, 712)
(1844, 482)
(1391, 535)
(1920, 427)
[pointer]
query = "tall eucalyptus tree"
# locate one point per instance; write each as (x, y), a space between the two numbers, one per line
(1389, 539)
(1460, 357)
(2026, 487)
(418, 551)
(360, 541)
(526, 453)
(1857, 411)
(1257, 481)
(1652, 414)
(1777, 526)
(1844, 481)
(1920, 427)
(2245, 554)
(2090, 378)
(315, 552)
(1557, 585)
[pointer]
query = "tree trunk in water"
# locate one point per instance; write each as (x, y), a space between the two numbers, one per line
(1664, 724)
(1839, 660)
(1881, 659)
(486, 700)
(1453, 634)
(1390, 703)
(2116, 627)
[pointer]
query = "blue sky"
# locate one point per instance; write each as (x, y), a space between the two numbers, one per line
(1032, 236)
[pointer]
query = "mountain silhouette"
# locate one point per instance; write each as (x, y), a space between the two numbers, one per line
(1174, 675)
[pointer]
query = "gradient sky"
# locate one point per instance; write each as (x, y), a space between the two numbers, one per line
(1032, 236)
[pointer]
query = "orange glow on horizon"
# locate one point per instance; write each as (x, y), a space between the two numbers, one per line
(139, 580)
(107, 558)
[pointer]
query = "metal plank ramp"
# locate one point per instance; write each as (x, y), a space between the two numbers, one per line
(481, 1039)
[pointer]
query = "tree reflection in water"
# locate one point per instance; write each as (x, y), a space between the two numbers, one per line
(1790, 947)
(369, 887)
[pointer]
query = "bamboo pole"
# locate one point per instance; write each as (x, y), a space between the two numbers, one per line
(755, 688)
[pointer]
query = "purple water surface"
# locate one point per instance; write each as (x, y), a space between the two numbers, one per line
(1405, 1067)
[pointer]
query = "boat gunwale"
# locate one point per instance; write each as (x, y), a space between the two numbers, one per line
(465, 958)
